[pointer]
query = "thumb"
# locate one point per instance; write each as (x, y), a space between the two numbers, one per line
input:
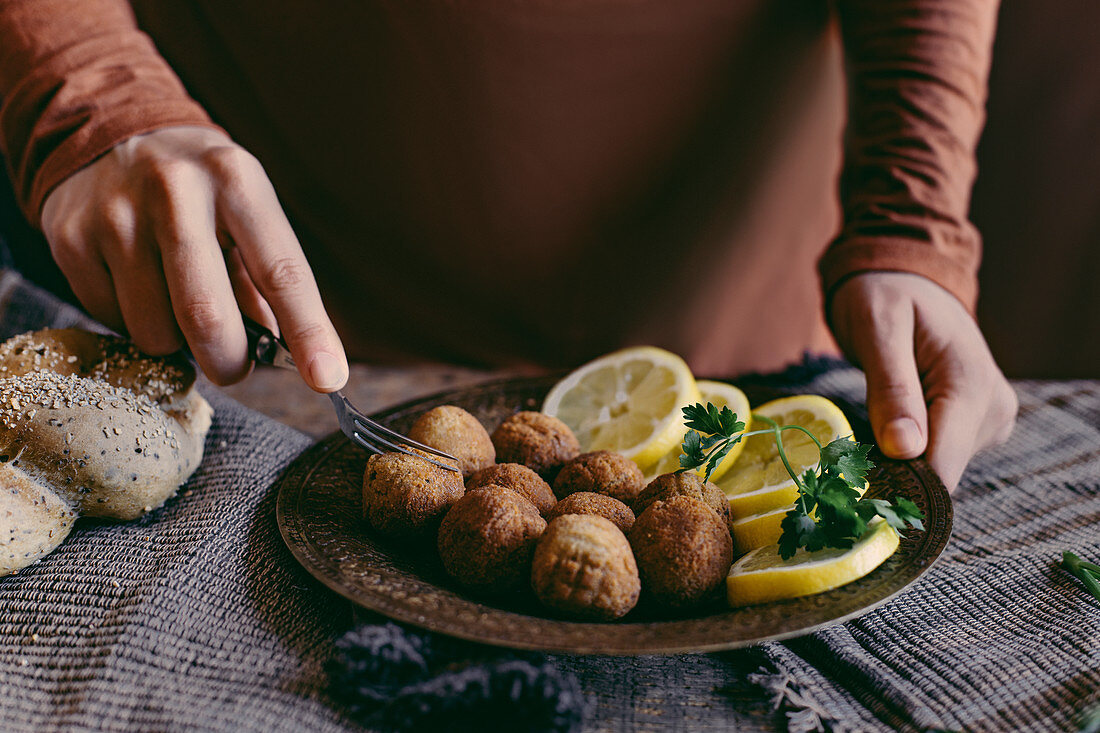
(895, 399)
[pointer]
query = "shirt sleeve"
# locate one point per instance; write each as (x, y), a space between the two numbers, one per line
(917, 73)
(77, 77)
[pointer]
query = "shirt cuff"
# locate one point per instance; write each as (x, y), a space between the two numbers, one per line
(956, 275)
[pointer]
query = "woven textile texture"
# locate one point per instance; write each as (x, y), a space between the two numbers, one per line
(197, 618)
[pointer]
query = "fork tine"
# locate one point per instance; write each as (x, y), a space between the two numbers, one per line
(360, 440)
(366, 443)
(369, 434)
(377, 429)
(267, 348)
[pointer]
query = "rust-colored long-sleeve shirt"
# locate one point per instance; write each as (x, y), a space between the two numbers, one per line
(540, 182)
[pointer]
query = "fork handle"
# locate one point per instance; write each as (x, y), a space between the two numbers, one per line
(267, 348)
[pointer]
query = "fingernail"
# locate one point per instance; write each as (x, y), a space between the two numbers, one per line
(902, 436)
(327, 372)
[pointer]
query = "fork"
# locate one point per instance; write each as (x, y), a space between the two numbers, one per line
(267, 348)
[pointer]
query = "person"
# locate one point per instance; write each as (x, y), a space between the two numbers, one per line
(523, 183)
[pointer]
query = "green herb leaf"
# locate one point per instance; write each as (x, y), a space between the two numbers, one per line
(693, 454)
(1082, 570)
(711, 434)
(797, 531)
(712, 421)
(847, 459)
(829, 511)
(716, 458)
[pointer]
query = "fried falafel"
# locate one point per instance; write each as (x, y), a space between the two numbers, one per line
(518, 478)
(601, 472)
(583, 567)
(453, 430)
(683, 551)
(541, 442)
(600, 505)
(668, 485)
(405, 496)
(488, 537)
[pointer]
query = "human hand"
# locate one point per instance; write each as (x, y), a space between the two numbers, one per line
(932, 385)
(171, 235)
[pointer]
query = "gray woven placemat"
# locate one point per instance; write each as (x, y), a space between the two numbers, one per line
(197, 618)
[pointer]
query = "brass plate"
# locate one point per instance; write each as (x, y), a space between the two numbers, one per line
(319, 514)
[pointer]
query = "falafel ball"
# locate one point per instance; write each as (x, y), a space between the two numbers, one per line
(518, 478)
(668, 485)
(584, 567)
(405, 496)
(541, 442)
(600, 505)
(488, 537)
(683, 550)
(601, 472)
(455, 431)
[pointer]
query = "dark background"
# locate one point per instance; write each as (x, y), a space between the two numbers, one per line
(1036, 200)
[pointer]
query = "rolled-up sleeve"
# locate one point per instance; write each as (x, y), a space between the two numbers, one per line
(77, 77)
(917, 74)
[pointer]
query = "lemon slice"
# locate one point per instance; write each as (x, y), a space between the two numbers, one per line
(628, 401)
(758, 482)
(762, 575)
(758, 530)
(722, 395)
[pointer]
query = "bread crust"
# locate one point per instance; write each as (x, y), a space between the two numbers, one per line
(99, 427)
(33, 519)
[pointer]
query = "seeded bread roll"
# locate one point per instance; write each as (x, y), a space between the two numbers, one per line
(33, 519)
(89, 425)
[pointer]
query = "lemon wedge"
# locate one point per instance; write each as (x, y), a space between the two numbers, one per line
(762, 575)
(757, 482)
(722, 395)
(627, 401)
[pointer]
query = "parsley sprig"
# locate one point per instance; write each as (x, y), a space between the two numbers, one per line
(1087, 572)
(711, 434)
(829, 511)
